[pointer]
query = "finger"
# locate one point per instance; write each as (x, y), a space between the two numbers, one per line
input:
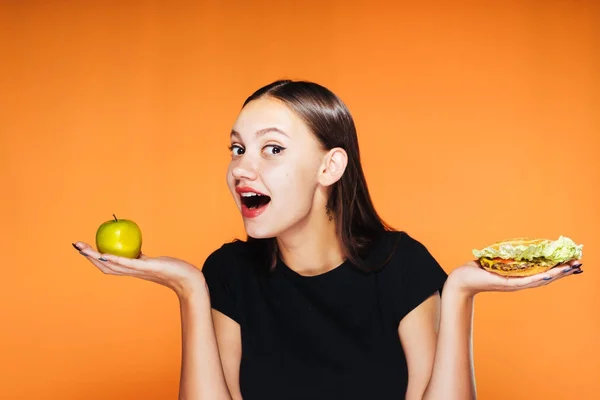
(568, 270)
(94, 257)
(104, 267)
(86, 250)
(81, 246)
(537, 279)
(107, 269)
(559, 271)
(547, 277)
(141, 263)
(576, 265)
(574, 262)
(565, 270)
(556, 273)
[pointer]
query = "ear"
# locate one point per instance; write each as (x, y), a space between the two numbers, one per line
(333, 166)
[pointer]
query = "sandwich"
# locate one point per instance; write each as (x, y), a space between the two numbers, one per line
(527, 256)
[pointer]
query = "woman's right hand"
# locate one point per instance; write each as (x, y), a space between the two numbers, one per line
(180, 276)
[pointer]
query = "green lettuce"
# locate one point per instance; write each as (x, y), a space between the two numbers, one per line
(557, 251)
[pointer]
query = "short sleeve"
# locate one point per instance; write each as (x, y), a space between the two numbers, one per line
(420, 275)
(218, 272)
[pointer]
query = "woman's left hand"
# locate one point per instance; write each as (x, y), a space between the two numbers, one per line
(471, 279)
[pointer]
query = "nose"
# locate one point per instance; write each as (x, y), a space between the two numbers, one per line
(245, 168)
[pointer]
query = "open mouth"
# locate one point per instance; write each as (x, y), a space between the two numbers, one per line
(254, 201)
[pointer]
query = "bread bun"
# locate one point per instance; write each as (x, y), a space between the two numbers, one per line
(513, 268)
(515, 242)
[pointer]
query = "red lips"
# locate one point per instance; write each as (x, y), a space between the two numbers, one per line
(252, 206)
(247, 189)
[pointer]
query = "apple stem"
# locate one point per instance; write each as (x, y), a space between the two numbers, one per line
(115, 217)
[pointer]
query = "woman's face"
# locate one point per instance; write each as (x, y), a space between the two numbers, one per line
(274, 168)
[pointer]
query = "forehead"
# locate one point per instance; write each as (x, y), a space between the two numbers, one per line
(266, 113)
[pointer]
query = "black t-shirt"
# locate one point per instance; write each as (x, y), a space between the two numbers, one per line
(330, 336)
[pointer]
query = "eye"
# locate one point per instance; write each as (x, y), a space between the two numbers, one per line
(274, 149)
(236, 150)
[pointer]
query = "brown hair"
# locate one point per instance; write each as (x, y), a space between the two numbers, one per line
(357, 223)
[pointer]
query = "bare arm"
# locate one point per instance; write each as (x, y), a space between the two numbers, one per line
(452, 377)
(201, 371)
(202, 375)
(440, 361)
(229, 340)
(418, 333)
(436, 337)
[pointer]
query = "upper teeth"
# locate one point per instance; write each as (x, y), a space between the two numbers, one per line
(250, 194)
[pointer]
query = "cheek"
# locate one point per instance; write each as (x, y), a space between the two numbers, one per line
(291, 185)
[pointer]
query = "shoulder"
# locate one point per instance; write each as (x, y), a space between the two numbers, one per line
(227, 259)
(229, 250)
(411, 273)
(407, 252)
(398, 247)
(409, 247)
(225, 274)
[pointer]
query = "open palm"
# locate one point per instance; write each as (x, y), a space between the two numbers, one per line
(474, 279)
(176, 274)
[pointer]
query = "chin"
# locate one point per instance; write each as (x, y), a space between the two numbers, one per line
(272, 223)
(259, 233)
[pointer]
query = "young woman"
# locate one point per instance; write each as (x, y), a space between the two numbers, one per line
(323, 300)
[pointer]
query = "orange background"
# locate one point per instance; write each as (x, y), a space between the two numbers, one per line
(476, 122)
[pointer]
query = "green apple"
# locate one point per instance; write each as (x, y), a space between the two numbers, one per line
(121, 237)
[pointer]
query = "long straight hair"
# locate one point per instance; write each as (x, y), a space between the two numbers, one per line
(328, 118)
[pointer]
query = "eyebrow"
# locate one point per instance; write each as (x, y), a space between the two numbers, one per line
(261, 132)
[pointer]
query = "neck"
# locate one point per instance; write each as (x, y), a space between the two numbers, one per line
(313, 247)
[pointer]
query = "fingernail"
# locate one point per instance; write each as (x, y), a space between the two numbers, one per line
(548, 278)
(579, 271)
(102, 259)
(577, 265)
(74, 245)
(82, 253)
(567, 270)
